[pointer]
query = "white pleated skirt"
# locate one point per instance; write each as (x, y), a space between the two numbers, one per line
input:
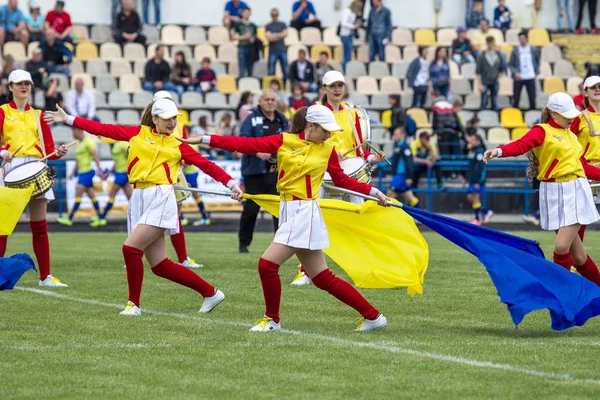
(18, 161)
(566, 203)
(154, 206)
(301, 225)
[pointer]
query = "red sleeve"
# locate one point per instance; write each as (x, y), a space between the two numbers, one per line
(1, 127)
(68, 22)
(364, 152)
(48, 139)
(184, 133)
(192, 157)
(575, 125)
(533, 138)
(247, 145)
(115, 132)
(342, 180)
(591, 171)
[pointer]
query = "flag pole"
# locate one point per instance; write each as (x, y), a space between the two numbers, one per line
(364, 196)
(204, 191)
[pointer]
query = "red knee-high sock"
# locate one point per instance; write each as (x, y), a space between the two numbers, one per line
(589, 270)
(3, 243)
(581, 232)
(179, 274)
(41, 246)
(135, 272)
(271, 284)
(564, 260)
(343, 291)
(178, 242)
(303, 270)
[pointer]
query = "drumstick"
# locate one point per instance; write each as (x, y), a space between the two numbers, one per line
(12, 155)
(54, 152)
(350, 151)
(379, 152)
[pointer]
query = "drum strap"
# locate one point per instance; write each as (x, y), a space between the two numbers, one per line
(586, 114)
(39, 130)
(360, 150)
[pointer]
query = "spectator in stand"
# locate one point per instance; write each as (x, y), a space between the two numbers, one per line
(53, 97)
(127, 26)
(181, 74)
(458, 107)
(12, 24)
(245, 33)
(398, 114)
(303, 71)
(439, 73)
(276, 33)
(206, 79)
(565, 9)
(243, 109)
(304, 14)
(592, 4)
(38, 68)
(479, 37)
(146, 11)
(351, 21)
(462, 52)
(298, 99)
(424, 157)
(417, 77)
(224, 127)
(60, 21)
(489, 69)
(4, 94)
(402, 168)
(446, 125)
(8, 66)
(275, 86)
(81, 102)
(322, 67)
(379, 30)
(525, 66)
(233, 12)
(35, 22)
(502, 16)
(157, 72)
(56, 54)
(284, 108)
(579, 99)
(475, 15)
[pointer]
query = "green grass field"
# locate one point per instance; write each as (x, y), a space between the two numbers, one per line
(456, 341)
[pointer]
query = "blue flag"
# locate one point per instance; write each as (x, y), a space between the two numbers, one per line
(525, 280)
(12, 268)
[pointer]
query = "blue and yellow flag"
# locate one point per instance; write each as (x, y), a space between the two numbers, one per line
(378, 247)
(12, 204)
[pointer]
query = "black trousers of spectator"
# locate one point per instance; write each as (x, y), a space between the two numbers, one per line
(299, 25)
(530, 86)
(592, 11)
(255, 184)
(139, 39)
(420, 169)
(449, 144)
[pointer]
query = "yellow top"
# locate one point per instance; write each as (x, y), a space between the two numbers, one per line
(20, 129)
(344, 140)
(119, 153)
(590, 144)
(559, 155)
(83, 151)
(153, 158)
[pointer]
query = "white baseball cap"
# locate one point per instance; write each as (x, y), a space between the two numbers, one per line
(591, 81)
(323, 116)
(18, 75)
(165, 109)
(162, 94)
(34, 4)
(563, 104)
(332, 77)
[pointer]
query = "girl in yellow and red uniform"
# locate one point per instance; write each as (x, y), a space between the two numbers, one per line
(153, 165)
(566, 200)
(19, 131)
(589, 138)
(303, 157)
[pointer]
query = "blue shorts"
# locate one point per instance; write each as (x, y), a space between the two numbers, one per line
(399, 183)
(192, 179)
(472, 189)
(121, 178)
(86, 179)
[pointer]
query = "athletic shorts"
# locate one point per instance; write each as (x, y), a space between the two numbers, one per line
(86, 179)
(121, 178)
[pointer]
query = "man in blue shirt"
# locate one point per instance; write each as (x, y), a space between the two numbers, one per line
(379, 30)
(304, 14)
(233, 12)
(12, 24)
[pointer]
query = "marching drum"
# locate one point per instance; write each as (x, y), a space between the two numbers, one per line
(181, 195)
(34, 173)
(354, 167)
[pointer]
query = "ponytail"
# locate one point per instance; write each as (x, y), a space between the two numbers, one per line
(324, 99)
(534, 165)
(299, 121)
(546, 116)
(147, 116)
(586, 101)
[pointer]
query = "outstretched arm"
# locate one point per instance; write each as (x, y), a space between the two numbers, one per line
(267, 144)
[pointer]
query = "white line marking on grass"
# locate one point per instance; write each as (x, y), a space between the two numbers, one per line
(91, 346)
(339, 341)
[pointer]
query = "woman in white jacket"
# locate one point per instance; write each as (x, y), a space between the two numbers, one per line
(347, 26)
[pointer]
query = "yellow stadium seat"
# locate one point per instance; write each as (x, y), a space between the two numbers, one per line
(518, 133)
(553, 85)
(507, 50)
(266, 82)
(86, 51)
(539, 37)
(226, 84)
(420, 117)
(511, 118)
(338, 54)
(386, 119)
(425, 37)
(261, 33)
(315, 52)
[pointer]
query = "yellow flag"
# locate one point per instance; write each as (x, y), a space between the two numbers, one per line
(12, 204)
(378, 247)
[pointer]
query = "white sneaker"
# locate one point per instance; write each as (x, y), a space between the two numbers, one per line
(131, 310)
(265, 324)
(531, 220)
(189, 263)
(301, 279)
(212, 302)
(51, 281)
(371, 324)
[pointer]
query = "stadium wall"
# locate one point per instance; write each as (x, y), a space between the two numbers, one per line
(406, 13)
